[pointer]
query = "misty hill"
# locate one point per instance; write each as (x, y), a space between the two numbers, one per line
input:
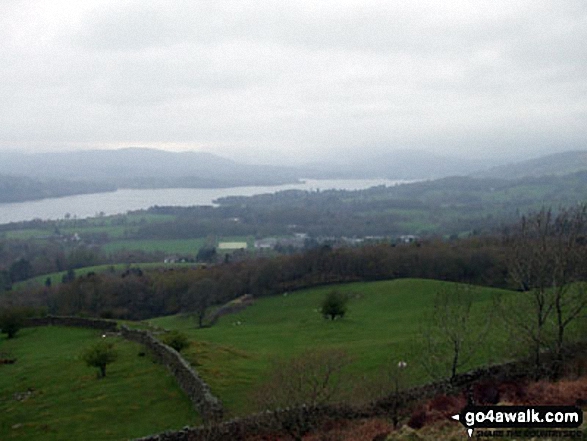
(556, 164)
(400, 164)
(42, 175)
(143, 168)
(17, 189)
(416, 164)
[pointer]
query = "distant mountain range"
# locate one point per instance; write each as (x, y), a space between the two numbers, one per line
(401, 164)
(414, 164)
(556, 164)
(42, 175)
(144, 168)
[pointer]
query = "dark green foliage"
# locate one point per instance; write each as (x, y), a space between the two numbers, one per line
(206, 254)
(69, 276)
(177, 340)
(334, 305)
(82, 256)
(20, 270)
(11, 320)
(100, 355)
(145, 294)
(5, 282)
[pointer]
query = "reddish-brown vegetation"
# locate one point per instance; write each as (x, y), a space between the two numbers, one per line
(564, 392)
(439, 408)
(356, 430)
(433, 416)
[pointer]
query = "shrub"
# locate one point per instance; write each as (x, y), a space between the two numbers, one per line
(334, 305)
(11, 320)
(100, 355)
(177, 340)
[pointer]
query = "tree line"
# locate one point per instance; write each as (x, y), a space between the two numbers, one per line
(543, 256)
(137, 294)
(450, 206)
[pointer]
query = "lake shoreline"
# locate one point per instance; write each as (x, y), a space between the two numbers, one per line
(122, 201)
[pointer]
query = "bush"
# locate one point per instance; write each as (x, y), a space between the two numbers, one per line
(334, 305)
(11, 320)
(177, 340)
(100, 355)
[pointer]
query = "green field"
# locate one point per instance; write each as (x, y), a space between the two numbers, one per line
(50, 394)
(179, 246)
(382, 326)
(26, 234)
(113, 231)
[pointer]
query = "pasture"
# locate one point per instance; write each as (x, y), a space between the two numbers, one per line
(383, 326)
(49, 393)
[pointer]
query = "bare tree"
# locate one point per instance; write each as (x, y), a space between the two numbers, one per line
(451, 333)
(199, 297)
(547, 261)
(312, 378)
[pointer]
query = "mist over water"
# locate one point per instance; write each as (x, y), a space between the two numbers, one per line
(122, 201)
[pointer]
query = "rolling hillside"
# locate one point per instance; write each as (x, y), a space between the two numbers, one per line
(383, 325)
(49, 393)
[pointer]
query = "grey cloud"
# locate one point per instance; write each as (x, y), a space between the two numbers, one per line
(278, 79)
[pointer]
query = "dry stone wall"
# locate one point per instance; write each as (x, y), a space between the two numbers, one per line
(208, 406)
(298, 420)
(302, 419)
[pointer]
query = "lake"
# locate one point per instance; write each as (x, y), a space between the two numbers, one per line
(122, 201)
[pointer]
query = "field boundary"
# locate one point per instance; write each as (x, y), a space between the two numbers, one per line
(197, 390)
(304, 419)
(207, 405)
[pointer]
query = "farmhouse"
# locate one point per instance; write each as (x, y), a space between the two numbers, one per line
(265, 244)
(232, 245)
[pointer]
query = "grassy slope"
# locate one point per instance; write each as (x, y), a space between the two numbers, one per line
(382, 326)
(68, 402)
(180, 246)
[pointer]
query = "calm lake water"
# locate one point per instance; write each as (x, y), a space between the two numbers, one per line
(122, 201)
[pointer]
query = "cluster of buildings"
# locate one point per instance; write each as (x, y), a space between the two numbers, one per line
(301, 240)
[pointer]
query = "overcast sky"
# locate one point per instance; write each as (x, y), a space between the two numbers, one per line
(268, 81)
